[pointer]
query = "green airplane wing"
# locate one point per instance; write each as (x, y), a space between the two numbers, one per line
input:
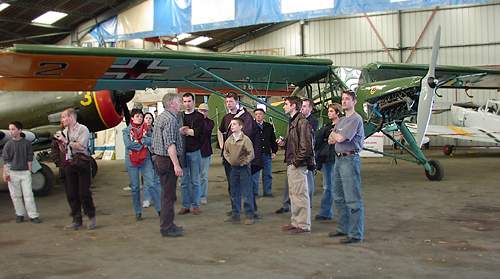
(39, 67)
(450, 76)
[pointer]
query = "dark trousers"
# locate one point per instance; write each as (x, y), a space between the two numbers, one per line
(227, 170)
(168, 180)
(77, 183)
(241, 185)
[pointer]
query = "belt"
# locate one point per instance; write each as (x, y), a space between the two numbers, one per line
(348, 153)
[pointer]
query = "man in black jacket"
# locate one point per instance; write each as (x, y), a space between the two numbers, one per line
(265, 135)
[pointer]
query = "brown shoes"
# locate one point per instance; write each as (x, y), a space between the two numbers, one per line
(196, 211)
(183, 211)
(299, 231)
(288, 227)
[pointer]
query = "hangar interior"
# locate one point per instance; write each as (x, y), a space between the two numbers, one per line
(415, 228)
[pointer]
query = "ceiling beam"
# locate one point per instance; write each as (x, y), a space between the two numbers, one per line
(25, 22)
(18, 36)
(31, 38)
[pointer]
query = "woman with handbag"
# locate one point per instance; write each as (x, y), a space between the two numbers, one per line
(325, 159)
(138, 161)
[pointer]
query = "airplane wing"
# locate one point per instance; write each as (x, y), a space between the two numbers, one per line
(451, 76)
(56, 68)
(40, 137)
(461, 133)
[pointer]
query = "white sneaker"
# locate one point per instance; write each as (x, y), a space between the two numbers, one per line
(127, 188)
(146, 204)
(203, 201)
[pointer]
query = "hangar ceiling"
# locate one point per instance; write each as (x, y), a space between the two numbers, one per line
(16, 24)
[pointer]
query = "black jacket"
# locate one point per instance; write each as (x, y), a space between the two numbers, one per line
(325, 153)
(267, 138)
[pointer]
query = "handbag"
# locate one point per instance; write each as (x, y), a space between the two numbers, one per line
(137, 157)
(79, 160)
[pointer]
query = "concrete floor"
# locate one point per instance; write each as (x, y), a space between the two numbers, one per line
(414, 229)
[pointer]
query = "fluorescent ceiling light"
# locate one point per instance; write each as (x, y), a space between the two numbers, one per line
(198, 41)
(4, 6)
(49, 17)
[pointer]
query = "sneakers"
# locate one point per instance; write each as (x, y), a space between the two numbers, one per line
(35, 220)
(127, 188)
(196, 210)
(203, 201)
(19, 219)
(183, 211)
(92, 224)
(138, 217)
(146, 204)
(249, 221)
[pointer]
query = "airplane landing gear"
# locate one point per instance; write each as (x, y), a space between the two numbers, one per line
(436, 173)
(42, 181)
(448, 149)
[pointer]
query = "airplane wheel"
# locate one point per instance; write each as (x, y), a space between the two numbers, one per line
(437, 171)
(42, 181)
(93, 166)
(448, 150)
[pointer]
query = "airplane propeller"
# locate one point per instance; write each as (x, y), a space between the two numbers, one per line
(121, 100)
(427, 92)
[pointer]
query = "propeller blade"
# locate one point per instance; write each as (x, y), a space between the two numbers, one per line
(427, 92)
(126, 113)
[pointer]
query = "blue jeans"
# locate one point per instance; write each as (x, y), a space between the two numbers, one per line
(157, 186)
(205, 165)
(241, 185)
(267, 179)
(310, 185)
(286, 195)
(347, 196)
(190, 183)
(326, 209)
(147, 171)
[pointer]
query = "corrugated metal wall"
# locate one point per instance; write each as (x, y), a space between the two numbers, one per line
(470, 36)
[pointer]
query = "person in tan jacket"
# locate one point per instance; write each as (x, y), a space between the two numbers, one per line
(238, 152)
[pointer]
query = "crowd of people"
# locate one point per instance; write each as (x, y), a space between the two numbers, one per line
(178, 144)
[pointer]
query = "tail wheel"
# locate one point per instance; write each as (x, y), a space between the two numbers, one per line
(42, 181)
(437, 173)
(448, 150)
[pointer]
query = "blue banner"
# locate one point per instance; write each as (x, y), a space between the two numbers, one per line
(173, 17)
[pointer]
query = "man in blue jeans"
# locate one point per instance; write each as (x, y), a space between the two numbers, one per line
(348, 136)
(191, 180)
(269, 147)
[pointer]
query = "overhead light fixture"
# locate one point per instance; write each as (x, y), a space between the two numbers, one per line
(4, 6)
(181, 37)
(198, 41)
(49, 17)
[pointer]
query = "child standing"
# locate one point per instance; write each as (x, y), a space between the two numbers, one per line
(238, 151)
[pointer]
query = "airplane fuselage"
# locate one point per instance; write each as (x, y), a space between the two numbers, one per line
(481, 118)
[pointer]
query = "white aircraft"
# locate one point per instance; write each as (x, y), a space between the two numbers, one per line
(471, 122)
